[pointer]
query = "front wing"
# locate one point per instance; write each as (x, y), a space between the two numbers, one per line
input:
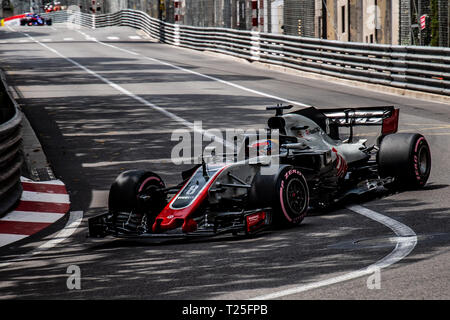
(240, 222)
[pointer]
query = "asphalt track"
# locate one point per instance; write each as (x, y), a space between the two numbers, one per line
(107, 100)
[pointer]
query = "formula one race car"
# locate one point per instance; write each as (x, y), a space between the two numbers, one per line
(314, 168)
(33, 19)
(52, 6)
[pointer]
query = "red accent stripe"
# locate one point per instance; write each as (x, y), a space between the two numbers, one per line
(15, 17)
(18, 227)
(45, 188)
(390, 125)
(43, 207)
(164, 223)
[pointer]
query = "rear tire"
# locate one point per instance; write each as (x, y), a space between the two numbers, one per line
(407, 158)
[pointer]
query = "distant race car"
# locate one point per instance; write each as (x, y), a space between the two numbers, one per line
(317, 169)
(33, 19)
(52, 6)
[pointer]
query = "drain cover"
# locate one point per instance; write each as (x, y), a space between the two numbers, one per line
(384, 242)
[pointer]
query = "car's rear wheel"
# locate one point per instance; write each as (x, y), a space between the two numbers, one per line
(407, 158)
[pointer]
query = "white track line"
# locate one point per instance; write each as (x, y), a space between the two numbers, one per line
(132, 95)
(6, 238)
(405, 244)
(116, 86)
(237, 86)
(72, 224)
(402, 249)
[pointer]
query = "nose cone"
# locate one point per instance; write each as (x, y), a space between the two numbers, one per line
(172, 222)
(166, 223)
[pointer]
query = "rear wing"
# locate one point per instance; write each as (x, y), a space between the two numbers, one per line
(332, 119)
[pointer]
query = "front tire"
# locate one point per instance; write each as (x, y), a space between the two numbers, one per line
(292, 198)
(124, 194)
(286, 192)
(407, 158)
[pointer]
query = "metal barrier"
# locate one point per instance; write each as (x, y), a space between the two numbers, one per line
(409, 67)
(11, 157)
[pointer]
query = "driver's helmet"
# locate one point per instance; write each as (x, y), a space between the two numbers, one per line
(265, 147)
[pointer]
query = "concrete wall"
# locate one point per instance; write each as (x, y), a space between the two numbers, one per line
(14, 7)
(371, 21)
(331, 19)
(395, 22)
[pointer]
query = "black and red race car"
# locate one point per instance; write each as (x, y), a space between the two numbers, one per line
(311, 166)
(33, 19)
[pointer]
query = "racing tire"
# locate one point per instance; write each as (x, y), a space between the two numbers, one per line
(407, 158)
(286, 192)
(129, 185)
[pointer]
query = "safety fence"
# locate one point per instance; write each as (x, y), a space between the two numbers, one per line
(11, 155)
(409, 67)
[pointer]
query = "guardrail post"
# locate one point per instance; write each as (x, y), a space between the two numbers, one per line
(255, 46)
(417, 68)
(176, 35)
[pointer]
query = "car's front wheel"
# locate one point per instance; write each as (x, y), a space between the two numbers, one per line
(286, 192)
(136, 194)
(292, 197)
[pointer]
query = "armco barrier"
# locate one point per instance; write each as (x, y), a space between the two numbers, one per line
(11, 157)
(409, 67)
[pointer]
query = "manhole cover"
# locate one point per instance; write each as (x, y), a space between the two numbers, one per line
(384, 242)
